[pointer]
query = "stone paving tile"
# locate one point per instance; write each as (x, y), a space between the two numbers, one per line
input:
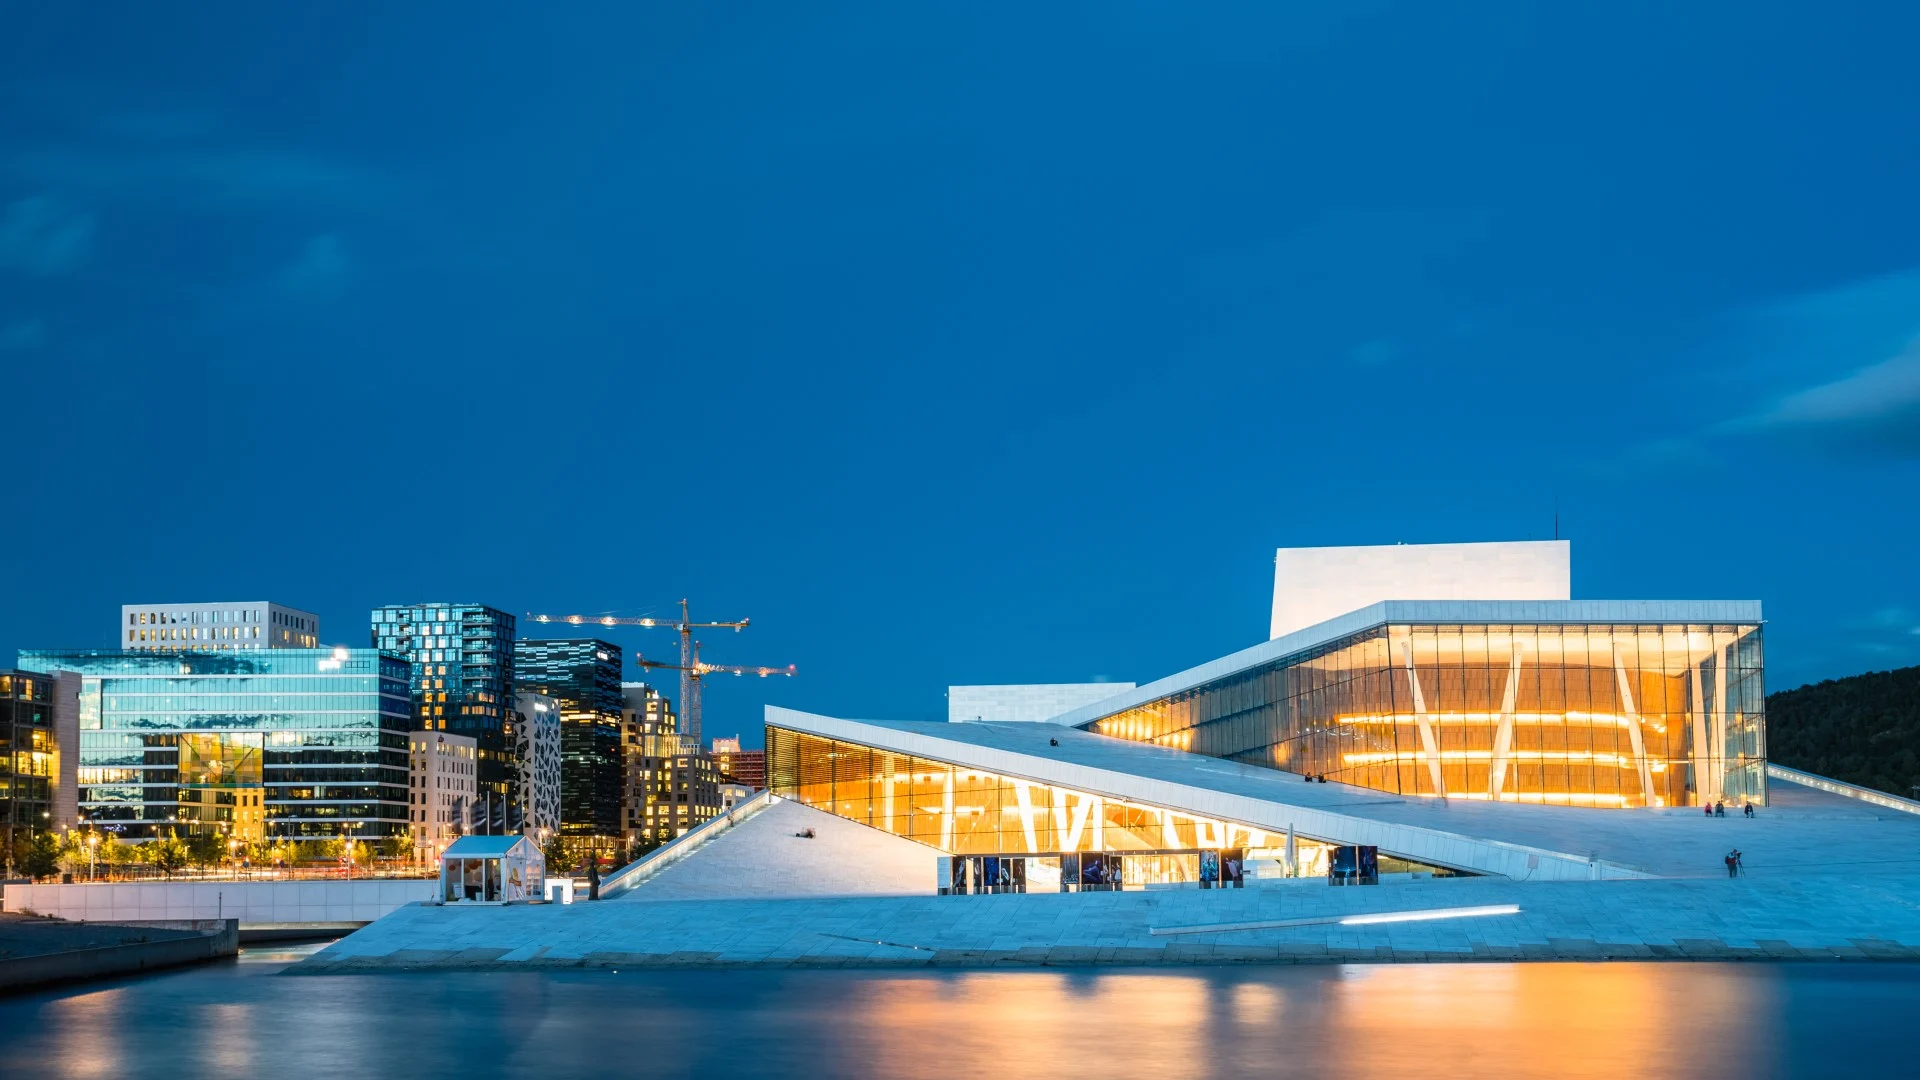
(1675, 918)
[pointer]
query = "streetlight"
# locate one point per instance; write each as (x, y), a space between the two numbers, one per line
(93, 841)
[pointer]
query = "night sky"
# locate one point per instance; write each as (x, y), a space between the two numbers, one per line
(966, 343)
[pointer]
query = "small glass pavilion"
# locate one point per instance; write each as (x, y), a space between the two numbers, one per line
(491, 870)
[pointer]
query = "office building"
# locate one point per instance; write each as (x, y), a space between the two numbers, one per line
(275, 742)
(443, 790)
(739, 766)
(583, 676)
(536, 754)
(462, 676)
(35, 716)
(216, 627)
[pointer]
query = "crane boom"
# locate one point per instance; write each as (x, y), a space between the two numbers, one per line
(690, 683)
(689, 653)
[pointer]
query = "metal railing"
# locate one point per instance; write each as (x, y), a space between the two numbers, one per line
(644, 868)
(1841, 787)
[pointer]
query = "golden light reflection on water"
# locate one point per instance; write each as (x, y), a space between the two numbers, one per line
(101, 1053)
(1562, 1020)
(1567, 1020)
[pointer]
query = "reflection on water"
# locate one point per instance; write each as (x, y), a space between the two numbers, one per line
(244, 1019)
(280, 954)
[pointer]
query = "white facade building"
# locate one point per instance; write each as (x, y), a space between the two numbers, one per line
(443, 778)
(536, 755)
(1025, 702)
(1313, 585)
(212, 627)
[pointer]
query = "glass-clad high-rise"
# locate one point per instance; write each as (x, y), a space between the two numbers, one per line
(28, 755)
(462, 679)
(1577, 713)
(251, 744)
(583, 675)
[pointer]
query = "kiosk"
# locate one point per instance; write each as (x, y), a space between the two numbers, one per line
(491, 870)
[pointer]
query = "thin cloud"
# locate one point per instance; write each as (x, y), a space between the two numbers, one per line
(43, 235)
(1875, 409)
(1378, 352)
(1837, 372)
(22, 335)
(216, 176)
(323, 265)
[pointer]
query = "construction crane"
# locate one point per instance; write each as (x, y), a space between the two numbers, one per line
(689, 685)
(690, 676)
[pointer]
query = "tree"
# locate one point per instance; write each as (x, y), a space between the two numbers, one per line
(206, 849)
(37, 856)
(168, 854)
(1863, 729)
(397, 846)
(561, 856)
(108, 851)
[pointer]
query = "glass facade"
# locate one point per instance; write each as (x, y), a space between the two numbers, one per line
(965, 811)
(27, 757)
(274, 742)
(1566, 714)
(462, 679)
(583, 676)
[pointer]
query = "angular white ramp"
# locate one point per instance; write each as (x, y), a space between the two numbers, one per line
(765, 857)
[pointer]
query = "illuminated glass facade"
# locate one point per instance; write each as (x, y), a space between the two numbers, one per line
(583, 676)
(27, 756)
(1567, 714)
(274, 742)
(462, 679)
(966, 811)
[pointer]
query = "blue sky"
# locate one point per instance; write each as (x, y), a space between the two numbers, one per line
(966, 344)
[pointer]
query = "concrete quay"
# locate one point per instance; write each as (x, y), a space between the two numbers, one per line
(43, 952)
(1785, 918)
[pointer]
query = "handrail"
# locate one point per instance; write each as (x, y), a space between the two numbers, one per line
(645, 867)
(1841, 787)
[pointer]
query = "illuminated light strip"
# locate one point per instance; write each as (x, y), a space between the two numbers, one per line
(1431, 913)
(1566, 798)
(1381, 757)
(1418, 915)
(1489, 718)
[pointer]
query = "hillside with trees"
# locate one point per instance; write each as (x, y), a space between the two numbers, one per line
(1864, 729)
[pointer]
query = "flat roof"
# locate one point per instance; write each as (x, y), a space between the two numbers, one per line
(1420, 611)
(474, 847)
(1804, 828)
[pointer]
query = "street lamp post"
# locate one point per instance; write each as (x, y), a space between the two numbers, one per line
(93, 841)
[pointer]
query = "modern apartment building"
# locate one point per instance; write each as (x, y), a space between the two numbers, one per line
(679, 789)
(275, 742)
(215, 627)
(646, 715)
(462, 676)
(583, 676)
(443, 771)
(536, 754)
(739, 766)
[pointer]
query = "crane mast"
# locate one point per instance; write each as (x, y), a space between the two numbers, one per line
(691, 678)
(690, 666)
